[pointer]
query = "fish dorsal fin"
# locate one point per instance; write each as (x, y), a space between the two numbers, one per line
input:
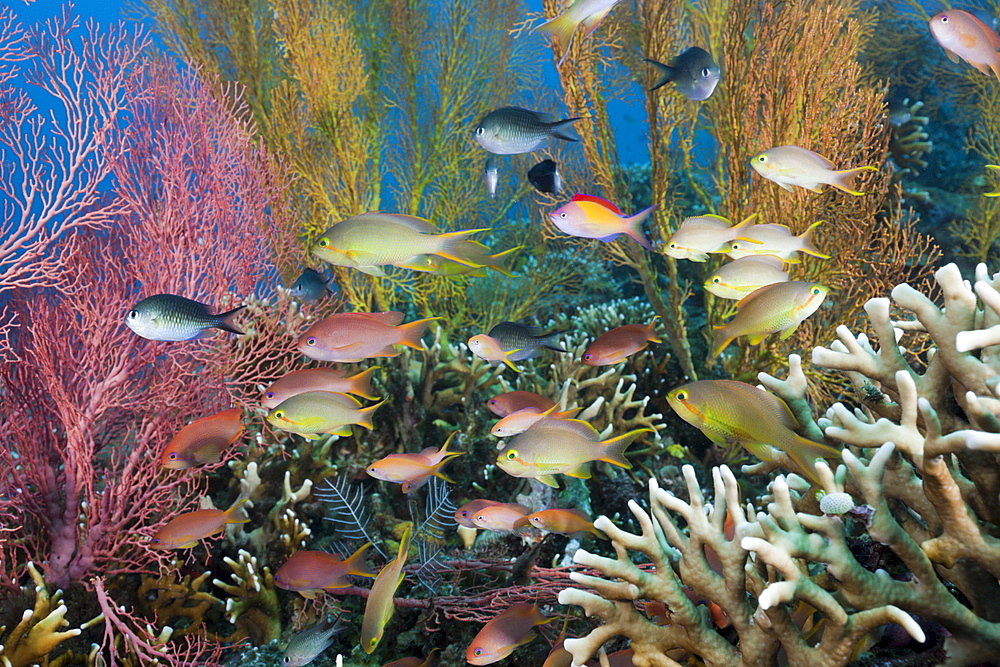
(709, 219)
(759, 292)
(593, 199)
(413, 222)
(389, 318)
(991, 36)
(576, 426)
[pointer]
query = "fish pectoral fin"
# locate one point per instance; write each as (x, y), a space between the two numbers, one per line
(952, 56)
(310, 436)
(785, 333)
(787, 187)
(372, 270)
(548, 479)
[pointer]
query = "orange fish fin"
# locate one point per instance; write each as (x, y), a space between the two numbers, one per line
(356, 564)
(593, 199)
(365, 416)
(614, 449)
(309, 594)
(995, 67)
(361, 384)
(412, 332)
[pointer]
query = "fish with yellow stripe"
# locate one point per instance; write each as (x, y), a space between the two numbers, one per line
(380, 605)
(770, 309)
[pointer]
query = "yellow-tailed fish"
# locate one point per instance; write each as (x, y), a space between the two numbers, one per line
(319, 379)
(504, 633)
(590, 217)
(314, 412)
(413, 470)
(562, 446)
(489, 348)
(777, 240)
(565, 522)
(962, 35)
(739, 278)
(476, 260)
(370, 241)
(380, 605)
(730, 412)
(310, 572)
(351, 337)
(521, 420)
(794, 165)
(185, 530)
(203, 441)
(588, 13)
(696, 237)
(770, 309)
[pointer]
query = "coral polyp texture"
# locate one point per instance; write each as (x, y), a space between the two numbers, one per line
(919, 549)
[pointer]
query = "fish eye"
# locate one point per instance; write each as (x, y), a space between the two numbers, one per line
(269, 394)
(132, 314)
(716, 280)
(511, 455)
(286, 660)
(588, 357)
(673, 246)
(480, 130)
(705, 72)
(562, 215)
(173, 456)
(280, 414)
(324, 242)
(816, 290)
(762, 158)
(944, 19)
(311, 341)
(682, 396)
(478, 652)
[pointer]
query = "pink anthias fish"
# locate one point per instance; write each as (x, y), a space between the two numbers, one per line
(963, 36)
(504, 633)
(590, 217)
(588, 13)
(489, 348)
(413, 470)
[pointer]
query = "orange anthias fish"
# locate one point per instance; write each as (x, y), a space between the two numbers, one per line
(464, 514)
(794, 165)
(615, 346)
(351, 337)
(203, 441)
(186, 530)
(380, 605)
(772, 308)
(488, 348)
(730, 412)
(319, 379)
(413, 470)
(565, 522)
(504, 633)
(503, 404)
(502, 517)
(429, 661)
(521, 420)
(964, 36)
(310, 572)
(590, 217)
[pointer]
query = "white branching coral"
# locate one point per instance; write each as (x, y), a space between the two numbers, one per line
(921, 471)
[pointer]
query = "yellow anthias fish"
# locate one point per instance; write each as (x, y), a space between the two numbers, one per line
(380, 605)
(743, 276)
(730, 412)
(778, 307)
(777, 240)
(370, 241)
(562, 446)
(313, 412)
(588, 13)
(794, 165)
(697, 237)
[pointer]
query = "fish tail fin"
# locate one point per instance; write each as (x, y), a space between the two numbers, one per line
(412, 332)
(361, 384)
(666, 73)
(614, 449)
(437, 470)
(559, 128)
(844, 179)
(550, 341)
(365, 415)
(720, 340)
(591, 23)
(561, 28)
(451, 246)
(237, 513)
(651, 330)
(356, 564)
(633, 227)
(995, 167)
(497, 261)
(805, 453)
(227, 318)
(808, 246)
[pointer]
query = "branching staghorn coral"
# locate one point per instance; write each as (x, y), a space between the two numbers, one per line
(922, 481)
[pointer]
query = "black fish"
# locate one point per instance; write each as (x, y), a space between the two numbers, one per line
(545, 177)
(312, 286)
(524, 339)
(694, 73)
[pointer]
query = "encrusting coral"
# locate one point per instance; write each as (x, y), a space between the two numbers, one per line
(925, 478)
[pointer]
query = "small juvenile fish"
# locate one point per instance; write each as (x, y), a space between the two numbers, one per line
(588, 13)
(501, 517)
(777, 240)
(614, 346)
(730, 412)
(562, 446)
(186, 530)
(489, 348)
(203, 441)
(169, 317)
(694, 73)
(512, 130)
(311, 572)
(793, 165)
(697, 237)
(526, 340)
(352, 337)
(308, 644)
(370, 241)
(380, 605)
(545, 177)
(963, 36)
(319, 379)
(413, 470)
(478, 258)
(565, 522)
(312, 286)
(503, 404)
(521, 421)
(314, 412)
(590, 217)
(464, 514)
(770, 309)
(512, 628)
(739, 278)
(490, 176)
